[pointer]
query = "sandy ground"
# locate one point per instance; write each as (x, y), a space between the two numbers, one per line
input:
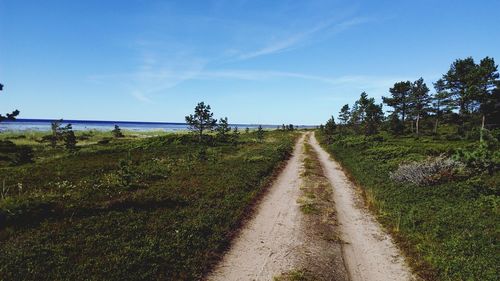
(369, 252)
(277, 240)
(270, 242)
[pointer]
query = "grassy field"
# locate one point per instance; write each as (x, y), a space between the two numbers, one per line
(449, 230)
(129, 209)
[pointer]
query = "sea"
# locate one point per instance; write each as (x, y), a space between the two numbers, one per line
(20, 125)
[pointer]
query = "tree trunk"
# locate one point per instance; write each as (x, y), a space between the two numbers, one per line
(416, 123)
(436, 125)
(482, 129)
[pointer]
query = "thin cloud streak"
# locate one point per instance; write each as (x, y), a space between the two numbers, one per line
(299, 38)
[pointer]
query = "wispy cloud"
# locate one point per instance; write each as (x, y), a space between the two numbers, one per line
(154, 75)
(296, 39)
(164, 64)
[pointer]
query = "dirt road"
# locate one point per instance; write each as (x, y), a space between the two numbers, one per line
(276, 239)
(369, 252)
(269, 243)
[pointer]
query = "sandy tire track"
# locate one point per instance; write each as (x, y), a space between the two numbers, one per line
(369, 252)
(270, 242)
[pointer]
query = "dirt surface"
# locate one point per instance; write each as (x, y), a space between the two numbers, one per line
(280, 238)
(270, 242)
(369, 252)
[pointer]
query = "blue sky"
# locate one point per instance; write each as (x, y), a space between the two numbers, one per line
(257, 61)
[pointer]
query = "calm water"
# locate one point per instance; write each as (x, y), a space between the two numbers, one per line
(44, 125)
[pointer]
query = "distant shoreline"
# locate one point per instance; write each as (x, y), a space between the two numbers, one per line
(103, 125)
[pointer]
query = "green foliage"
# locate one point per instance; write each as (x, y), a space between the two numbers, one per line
(57, 134)
(373, 119)
(126, 172)
(69, 138)
(260, 134)
(399, 100)
(201, 120)
(223, 130)
(449, 229)
(330, 126)
(8, 116)
(73, 218)
(479, 158)
(117, 132)
(344, 114)
(235, 136)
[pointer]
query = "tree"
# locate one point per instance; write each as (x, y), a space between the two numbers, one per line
(290, 127)
(222, 130)
(235, 136)
(201, 120)
(395, 125)
(420, 100)
(399, 100)
(8, 116)
(247, 130)
(363, 103)
(488, 89)
(459, 81)
(69, 138)
(373, 117)
(330, 126)
(117, 132)
(344, 114)
(471, 84)
(491, 108)
(57, 132)
(358, 112)
(442, 102)
(260, 133)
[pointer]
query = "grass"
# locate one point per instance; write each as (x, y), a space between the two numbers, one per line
(449, 230)
(295, 275)
(69, 216)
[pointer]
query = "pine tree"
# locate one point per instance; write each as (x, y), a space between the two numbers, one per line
(222, 130)
(330, 126)
(235, 136)
(420, 100)
(400, 99)
(57, 132)
(117, 132)
(373, 117)
(260, 133)
(201, 120)
(69, 138)
(8, 116)
(344, 114)
(471, 85)
(442, 103)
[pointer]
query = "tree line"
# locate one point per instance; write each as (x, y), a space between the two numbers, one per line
(467, 96)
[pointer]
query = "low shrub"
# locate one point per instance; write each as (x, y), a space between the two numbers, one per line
(479, 158)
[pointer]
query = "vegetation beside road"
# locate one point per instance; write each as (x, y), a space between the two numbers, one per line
(449, 229)
(162, 207)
